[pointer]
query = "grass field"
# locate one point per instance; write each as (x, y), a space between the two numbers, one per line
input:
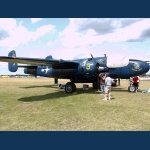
(36, 104)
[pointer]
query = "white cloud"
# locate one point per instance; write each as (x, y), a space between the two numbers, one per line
(70, 54)
(118, 60)
(78, 33)
(41, 31)
(34, 20)
(51, 43)
(19, 35)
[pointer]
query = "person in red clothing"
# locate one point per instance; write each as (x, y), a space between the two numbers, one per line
(136, 81)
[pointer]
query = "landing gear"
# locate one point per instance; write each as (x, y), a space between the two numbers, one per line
(95, 86)
(95, 83)
(131, 88)
(70, 87)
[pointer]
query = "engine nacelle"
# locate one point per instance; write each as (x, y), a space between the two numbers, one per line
(31, 70)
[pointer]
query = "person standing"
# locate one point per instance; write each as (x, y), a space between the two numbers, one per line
(102, 83)
(136, 81)
(108, 83)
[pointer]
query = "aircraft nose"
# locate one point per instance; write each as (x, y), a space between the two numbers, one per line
(138, 67)
(147, 66)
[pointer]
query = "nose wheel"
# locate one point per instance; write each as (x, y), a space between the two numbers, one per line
(131, 88)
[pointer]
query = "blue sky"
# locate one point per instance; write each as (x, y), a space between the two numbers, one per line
(72, 38)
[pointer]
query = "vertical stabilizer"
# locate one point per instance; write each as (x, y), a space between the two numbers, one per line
(13, 67)
(49, 57)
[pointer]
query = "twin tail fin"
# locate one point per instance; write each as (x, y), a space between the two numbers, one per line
(12, 67)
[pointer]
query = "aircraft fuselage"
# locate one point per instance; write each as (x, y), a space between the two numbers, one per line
(87, 70)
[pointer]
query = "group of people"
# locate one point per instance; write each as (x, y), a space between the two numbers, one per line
(105, 85)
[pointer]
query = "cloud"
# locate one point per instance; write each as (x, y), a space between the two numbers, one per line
(41, 31)
(52, 43)
(87, 32)
(18, 34)
(70, 54)
(136, 40)
(124, 22)
(3, 34)
(145, 34)
(34, 20)
(119, 62)
(100, 26)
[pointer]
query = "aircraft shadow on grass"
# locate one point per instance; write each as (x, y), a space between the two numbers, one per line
(119, 90)
(58, 94)
(61, 94)
(45, 86)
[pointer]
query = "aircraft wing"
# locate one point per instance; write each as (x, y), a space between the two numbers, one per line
(37, 61)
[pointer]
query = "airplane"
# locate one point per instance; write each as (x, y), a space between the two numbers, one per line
(77, 71)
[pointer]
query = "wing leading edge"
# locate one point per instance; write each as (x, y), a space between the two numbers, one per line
(38, 61)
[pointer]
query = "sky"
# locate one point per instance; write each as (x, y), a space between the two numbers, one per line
(75, 38)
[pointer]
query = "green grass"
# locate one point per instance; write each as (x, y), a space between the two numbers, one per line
(36, 104)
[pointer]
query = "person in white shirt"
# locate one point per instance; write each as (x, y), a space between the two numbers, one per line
(108, 83)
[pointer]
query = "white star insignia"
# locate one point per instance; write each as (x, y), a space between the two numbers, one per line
(45, 70)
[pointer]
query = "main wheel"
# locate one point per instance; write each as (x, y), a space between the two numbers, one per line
(131, 88)
(70, 87)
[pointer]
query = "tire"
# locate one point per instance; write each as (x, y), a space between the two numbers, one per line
(132, 88)
(70, 87)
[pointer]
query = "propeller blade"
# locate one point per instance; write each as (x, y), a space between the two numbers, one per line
(93, 58)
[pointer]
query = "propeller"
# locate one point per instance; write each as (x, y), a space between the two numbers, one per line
(97, 64)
